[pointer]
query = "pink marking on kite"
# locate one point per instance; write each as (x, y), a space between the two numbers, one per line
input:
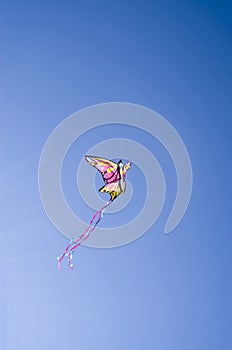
(112, 176)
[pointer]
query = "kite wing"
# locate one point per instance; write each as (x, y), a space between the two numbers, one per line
(114, 188)
(107, 168)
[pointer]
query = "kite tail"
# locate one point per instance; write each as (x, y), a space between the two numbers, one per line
(74, 243)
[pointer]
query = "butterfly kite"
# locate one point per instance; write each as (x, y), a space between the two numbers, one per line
(115, 184)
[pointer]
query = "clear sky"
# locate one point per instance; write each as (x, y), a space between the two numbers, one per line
(160, 292)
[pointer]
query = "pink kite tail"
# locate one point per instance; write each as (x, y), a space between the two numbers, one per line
(70, 249)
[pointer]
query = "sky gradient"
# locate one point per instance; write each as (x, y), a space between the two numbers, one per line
(162, 291)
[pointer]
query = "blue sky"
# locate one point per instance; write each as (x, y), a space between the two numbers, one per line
(161, 292)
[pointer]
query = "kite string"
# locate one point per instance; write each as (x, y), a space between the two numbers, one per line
(74, 244)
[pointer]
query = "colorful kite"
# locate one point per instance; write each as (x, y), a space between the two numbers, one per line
(115, 184)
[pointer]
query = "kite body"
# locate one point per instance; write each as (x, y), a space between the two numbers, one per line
(115, 184)
(113, 175)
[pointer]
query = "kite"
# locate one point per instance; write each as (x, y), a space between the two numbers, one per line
(115, 184)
